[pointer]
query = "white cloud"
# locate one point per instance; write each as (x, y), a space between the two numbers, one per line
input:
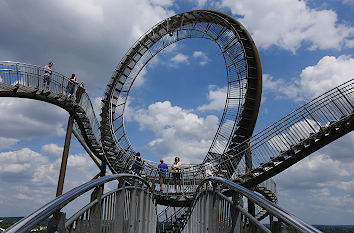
(20, 165)
(162, 2)
(53, 149)
(7, 142)
(328, 73)
(178, 131)
(349, 2)
(318, 188)
(86, 32)
(313, 172)
(202, 57)
(154, 61)
(97, 104)
(217, 98)
(288, 89)
(31, 178)
(139, 81)
(27, 119)
(23, 197)
(180, 58)
(347, 186)
(290, 24)
(314, 80)
(80, 161)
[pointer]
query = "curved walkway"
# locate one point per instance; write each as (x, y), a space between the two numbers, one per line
(276, 148)
(26, 81)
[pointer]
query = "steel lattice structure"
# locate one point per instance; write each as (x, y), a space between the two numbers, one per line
(244, 82)
(213, 203)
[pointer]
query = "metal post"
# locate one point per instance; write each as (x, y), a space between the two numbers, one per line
(119, 209)
(103, 168)
(271, 222)
(57, 223)
(251, 206)
(235, 213)
(95, 218)
(64, 159)
(133, 209)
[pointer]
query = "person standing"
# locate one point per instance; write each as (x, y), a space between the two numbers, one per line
(176, 173)
(138, 164)
(47, 74)
(80, 90)
(71, 85)
(209, 169)
(162, 173)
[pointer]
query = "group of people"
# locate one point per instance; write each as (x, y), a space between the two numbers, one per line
(162, 170)
(70, 88)
(176, 173)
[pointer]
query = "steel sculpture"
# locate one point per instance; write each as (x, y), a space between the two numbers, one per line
(238, 157)
(244, 81)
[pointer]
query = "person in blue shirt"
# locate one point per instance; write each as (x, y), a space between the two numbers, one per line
(162, 173)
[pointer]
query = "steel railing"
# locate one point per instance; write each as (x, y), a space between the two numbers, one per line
(31, 76)
(172, 217)
(95, 217)
(273, 141)
(289, 132)
(215, 212)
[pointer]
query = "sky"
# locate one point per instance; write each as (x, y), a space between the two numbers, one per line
(306, 48)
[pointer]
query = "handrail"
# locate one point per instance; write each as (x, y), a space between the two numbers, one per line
(292, 129)
(58, 203)
(13, 73)
(91, 204)
(272, 208)
(26, 75)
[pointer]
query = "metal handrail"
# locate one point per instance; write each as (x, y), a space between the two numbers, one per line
(169, 214)
(28, 75)
(73, 218)
(271, 208)
(292, 129)
(58, 203)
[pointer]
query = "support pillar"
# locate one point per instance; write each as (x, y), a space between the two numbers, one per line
(64, 159)
(103, 168)
(236, 216)
(57, 223)
(251, 205)
(95, 219)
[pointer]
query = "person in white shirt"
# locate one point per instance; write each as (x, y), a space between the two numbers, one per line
(47, 74)
(176, 173)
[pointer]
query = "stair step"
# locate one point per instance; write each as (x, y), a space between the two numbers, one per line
(267, 164)
(277, 159)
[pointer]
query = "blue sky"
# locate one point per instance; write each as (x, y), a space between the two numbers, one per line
(306, 48)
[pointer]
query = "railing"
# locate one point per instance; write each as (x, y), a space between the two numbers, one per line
(293, 129)
(118, 209)
(191, 177)
(214, 212)
(26, 75)
(172, 218)
(268, 185)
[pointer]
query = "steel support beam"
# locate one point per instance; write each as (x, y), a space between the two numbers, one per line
(64, 159)
(83, 144)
